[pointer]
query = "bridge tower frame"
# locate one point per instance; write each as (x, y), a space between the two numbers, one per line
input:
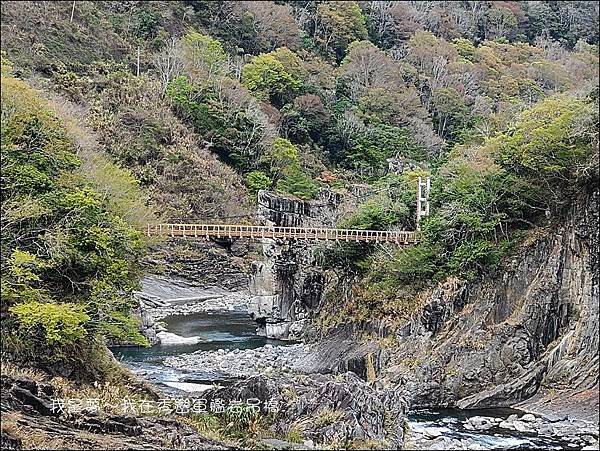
(423, 189)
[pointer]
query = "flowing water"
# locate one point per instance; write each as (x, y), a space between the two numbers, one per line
(449, 424)
(186, 334)
(230, 329)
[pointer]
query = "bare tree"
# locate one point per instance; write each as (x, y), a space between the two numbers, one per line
(169, 63)
(272, 22)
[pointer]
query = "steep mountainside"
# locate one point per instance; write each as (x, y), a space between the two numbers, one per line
(309, 113)
(497, 342)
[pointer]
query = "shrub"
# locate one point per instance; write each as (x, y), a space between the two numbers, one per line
(298, 183)
(257, 180)
(62, 323)
(266, 76)
(72, 246)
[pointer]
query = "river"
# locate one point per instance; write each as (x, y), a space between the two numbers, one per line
(212, 330)
(233, 329)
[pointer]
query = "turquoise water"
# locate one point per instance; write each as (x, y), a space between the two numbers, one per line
(216, 330)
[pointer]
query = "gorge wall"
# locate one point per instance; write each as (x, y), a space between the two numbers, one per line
(534, 329)
(286, 285)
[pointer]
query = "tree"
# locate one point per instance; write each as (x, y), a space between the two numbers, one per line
(266, 76)
(169, 63)
(365, 66)
(274, 24)
(550, 140)
(369, 151)
(391, 22)
(451, 115)
(280, 156)
(304, 119)
(283, 164)
(392, 106)
(258, 180)
(73, 262)
(337, 24)
(501, 22)
(297, 182)
(204, 56)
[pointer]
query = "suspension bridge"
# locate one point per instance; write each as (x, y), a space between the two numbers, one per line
(206, 231)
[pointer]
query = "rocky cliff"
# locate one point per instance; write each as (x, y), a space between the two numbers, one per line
(499, 341)
(286, 284)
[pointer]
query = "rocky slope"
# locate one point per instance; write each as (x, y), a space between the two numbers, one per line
(498, 342)
(339, 410)
(31, 420)
(288, 285)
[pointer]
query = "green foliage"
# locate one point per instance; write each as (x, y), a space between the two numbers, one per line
(283, 163)
(370, 150)
(61, 323)
(303, 120)
(451, 116)
(340, 24)
(267, 77)
(280, 156)
(232, 133)
(147, 23)
(6, 65)
(549, 140)
(62, 238)
(465, 48)
(392, 204)
(414, 267)
(23, 267)
(375, 214)
(204, 55)
(124, 196)
(483, 197)
(297, 182)
(257, 180)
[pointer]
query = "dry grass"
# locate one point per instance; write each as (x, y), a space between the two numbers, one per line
(10, 425)
(110, 393)
(11, 370)
(31, 438)
(328, 417)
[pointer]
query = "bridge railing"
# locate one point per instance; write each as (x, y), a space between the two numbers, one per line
(296, 233)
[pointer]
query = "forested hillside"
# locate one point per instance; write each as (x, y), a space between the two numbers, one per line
(117, 113)
(495, 100)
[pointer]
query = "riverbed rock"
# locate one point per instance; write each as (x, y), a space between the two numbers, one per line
(520, 426)
(240, 363)
(480, 423)
(325, 408)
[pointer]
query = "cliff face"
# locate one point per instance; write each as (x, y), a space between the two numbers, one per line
(286, 286)
(497, 342)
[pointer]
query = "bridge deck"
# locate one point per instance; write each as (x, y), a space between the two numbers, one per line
(294, 233)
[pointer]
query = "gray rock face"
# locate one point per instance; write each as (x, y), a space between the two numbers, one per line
(326, 409)
(204, 263)
(494, 343)
(285, 285)
(147, 325)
